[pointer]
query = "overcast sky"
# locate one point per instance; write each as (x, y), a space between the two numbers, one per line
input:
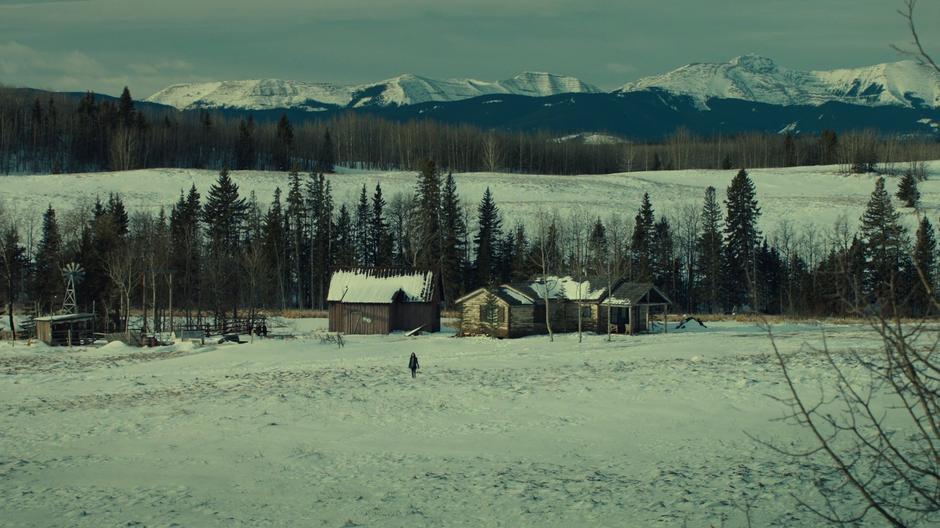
(103, 45)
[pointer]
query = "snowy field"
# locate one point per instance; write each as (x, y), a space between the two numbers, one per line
(643, 431)
(800, 195)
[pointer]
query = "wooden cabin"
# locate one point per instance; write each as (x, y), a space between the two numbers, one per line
(65, 329)
(380, 301)
(518, 309)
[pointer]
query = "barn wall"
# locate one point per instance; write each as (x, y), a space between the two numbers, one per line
(408, 316)
(350, 318)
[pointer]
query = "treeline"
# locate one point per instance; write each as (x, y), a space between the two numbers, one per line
(223, 252)
(57, 133)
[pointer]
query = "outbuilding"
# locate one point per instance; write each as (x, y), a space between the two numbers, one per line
(380, 301)
(65, 329)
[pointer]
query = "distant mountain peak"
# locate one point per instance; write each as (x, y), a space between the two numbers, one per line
(404, 89)
(759, 79)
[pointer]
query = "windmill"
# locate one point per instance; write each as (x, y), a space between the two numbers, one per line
(73, 274)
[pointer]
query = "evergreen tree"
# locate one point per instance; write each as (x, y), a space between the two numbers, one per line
(522, 268)
(487, 240)
(710, 249)
(657, 162)
(453, 237)
(296, 230)
(118, 214)
(742, 240)
(48, 285)
(126, 112)
(246, 148)
(427, 219)
(663, 263)
(345, 240)
(363, 223)
(925, 266)
(884, 240)
(597, 249)
(326, 158)
(907, 189)
(380, 241)
(284, 144)
(769, 279)
(13, 264)
(275, 251)
(642, 241)
(224, 214)
(185, 261)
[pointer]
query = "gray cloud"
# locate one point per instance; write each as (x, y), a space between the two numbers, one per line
(104, 44)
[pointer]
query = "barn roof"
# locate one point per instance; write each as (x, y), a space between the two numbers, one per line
(381, 286)
(634, 293)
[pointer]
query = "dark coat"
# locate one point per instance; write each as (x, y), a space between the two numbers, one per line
(413, 363)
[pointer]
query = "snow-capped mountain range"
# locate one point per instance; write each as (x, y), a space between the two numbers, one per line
(267, 94)
(748, 77)
(759, 79)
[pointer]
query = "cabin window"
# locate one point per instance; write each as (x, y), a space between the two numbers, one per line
(492, 314)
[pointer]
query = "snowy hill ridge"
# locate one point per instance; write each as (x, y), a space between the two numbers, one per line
(759, 79)
(266, 94)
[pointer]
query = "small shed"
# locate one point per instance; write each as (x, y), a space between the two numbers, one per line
(631, 305)
(66, 329)
(380, 301)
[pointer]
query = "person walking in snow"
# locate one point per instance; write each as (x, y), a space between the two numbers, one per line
(413, 364)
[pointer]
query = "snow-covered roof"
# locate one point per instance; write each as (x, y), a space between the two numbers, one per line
(634, 293)
(567, 288)
(66, 317)
(379, 286)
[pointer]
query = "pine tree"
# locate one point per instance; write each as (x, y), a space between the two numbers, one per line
(663, 263)
(118, 214)
(924, 296)
(642, 241)
(345, 240)
(363, 223)
(427, 220)
(884, 240)
(296, 221)
(742, 240)
(245, 148)
(224, 214)
(521, 267)
(453, 236)
(13, 264)
(48, 285)
(907, 189)
(284, 144)
(126, 112)
(327, 156)
(487, 239)
(710, 250)
(380, 242)
(275, 250)
(185, 252)
(597, 249)
(769, 279)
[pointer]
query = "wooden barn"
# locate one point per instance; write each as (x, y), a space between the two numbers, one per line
(380, 301)
(518, 309)
(65, 329)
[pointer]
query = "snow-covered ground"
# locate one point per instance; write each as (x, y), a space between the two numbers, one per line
(643, 431)
(799, 195)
